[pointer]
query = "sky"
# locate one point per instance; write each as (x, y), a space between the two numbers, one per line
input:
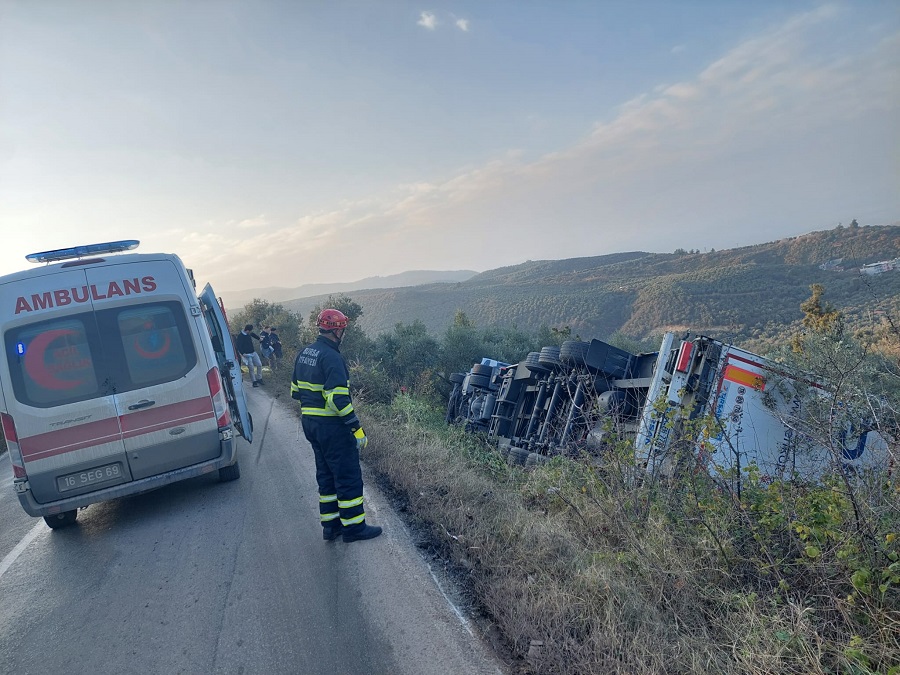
(289, 142)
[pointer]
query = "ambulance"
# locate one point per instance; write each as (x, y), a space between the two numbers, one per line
(117, 378)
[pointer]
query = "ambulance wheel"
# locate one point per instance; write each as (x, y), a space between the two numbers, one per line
(63, 519)
(229, 473)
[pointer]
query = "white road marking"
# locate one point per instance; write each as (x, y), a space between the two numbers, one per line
(370, 506)
(459, 615)
(20, 547)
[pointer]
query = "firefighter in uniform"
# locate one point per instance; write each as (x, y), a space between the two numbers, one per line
(321, 383)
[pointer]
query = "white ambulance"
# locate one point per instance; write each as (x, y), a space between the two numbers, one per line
(116, 378)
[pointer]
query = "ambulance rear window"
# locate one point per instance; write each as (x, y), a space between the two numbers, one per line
(89, 355)
(53, 362)
(151, 343)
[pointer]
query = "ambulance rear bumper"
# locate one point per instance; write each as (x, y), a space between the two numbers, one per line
(34, 508)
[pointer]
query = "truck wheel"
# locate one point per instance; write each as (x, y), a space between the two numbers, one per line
(64, 519)
(549, 358)
(532, 362)
(573, 352)
(517, 456)
(229, 473)
(479, 381)
(536, 459)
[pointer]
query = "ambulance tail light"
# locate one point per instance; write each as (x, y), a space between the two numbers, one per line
(12, 445)
(220, 405)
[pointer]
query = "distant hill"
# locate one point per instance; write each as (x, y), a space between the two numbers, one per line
(236, 299)
(743, 295)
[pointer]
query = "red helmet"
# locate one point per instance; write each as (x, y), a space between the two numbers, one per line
(329, 319)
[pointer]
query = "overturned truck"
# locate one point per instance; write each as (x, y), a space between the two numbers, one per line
(745, 409)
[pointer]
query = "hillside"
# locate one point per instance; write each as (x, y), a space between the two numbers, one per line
(743, 295)
(280, 294)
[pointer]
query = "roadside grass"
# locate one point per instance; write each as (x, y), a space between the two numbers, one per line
(584, 571)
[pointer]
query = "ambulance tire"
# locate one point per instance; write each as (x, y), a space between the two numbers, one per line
(63, 519)
(230, 473)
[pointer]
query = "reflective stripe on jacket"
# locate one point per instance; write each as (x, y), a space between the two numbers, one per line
(321, 382)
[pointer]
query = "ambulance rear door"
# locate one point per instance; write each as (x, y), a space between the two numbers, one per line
(158, 370)
(229, 365)
(60, 404)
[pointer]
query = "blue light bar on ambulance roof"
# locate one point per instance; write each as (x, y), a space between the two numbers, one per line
(82, 251)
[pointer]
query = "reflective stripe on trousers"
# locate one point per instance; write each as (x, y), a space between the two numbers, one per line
(337, 470)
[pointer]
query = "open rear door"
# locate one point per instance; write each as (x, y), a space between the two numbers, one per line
(229, 364)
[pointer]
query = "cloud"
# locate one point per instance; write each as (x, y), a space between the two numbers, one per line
(254, 223)
(759, 139)
(678, 49)
(428, 20)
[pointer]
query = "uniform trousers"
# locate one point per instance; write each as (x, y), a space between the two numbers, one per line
(337, 471)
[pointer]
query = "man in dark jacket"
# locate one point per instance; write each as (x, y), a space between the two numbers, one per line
(321, 383)
(244, 343)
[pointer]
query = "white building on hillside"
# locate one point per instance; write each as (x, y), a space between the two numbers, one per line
(879, 267)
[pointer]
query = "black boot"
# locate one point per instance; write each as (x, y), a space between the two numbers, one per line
(332, 532)
(364, 532)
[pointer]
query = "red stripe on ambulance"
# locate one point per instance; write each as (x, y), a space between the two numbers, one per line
(111, 430)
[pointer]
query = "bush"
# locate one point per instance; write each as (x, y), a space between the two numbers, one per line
(585, 570)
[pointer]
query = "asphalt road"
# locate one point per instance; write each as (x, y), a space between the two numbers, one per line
(209, 577)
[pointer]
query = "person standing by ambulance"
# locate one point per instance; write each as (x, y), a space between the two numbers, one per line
(244, 343)
(321, 383)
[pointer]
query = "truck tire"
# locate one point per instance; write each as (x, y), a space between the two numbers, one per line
(479, 369)
(532, 362)
(573, 352)
(457, 378)
(549, 357)
(230, 473)
(517, 456)
(64, 519)
(536, 459)
(479, 381)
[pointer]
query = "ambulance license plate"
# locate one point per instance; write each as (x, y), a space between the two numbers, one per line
(100, 474)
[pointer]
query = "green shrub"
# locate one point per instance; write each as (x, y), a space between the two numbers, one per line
(584, 569)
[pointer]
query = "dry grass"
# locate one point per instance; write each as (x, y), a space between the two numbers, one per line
(583, 576)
